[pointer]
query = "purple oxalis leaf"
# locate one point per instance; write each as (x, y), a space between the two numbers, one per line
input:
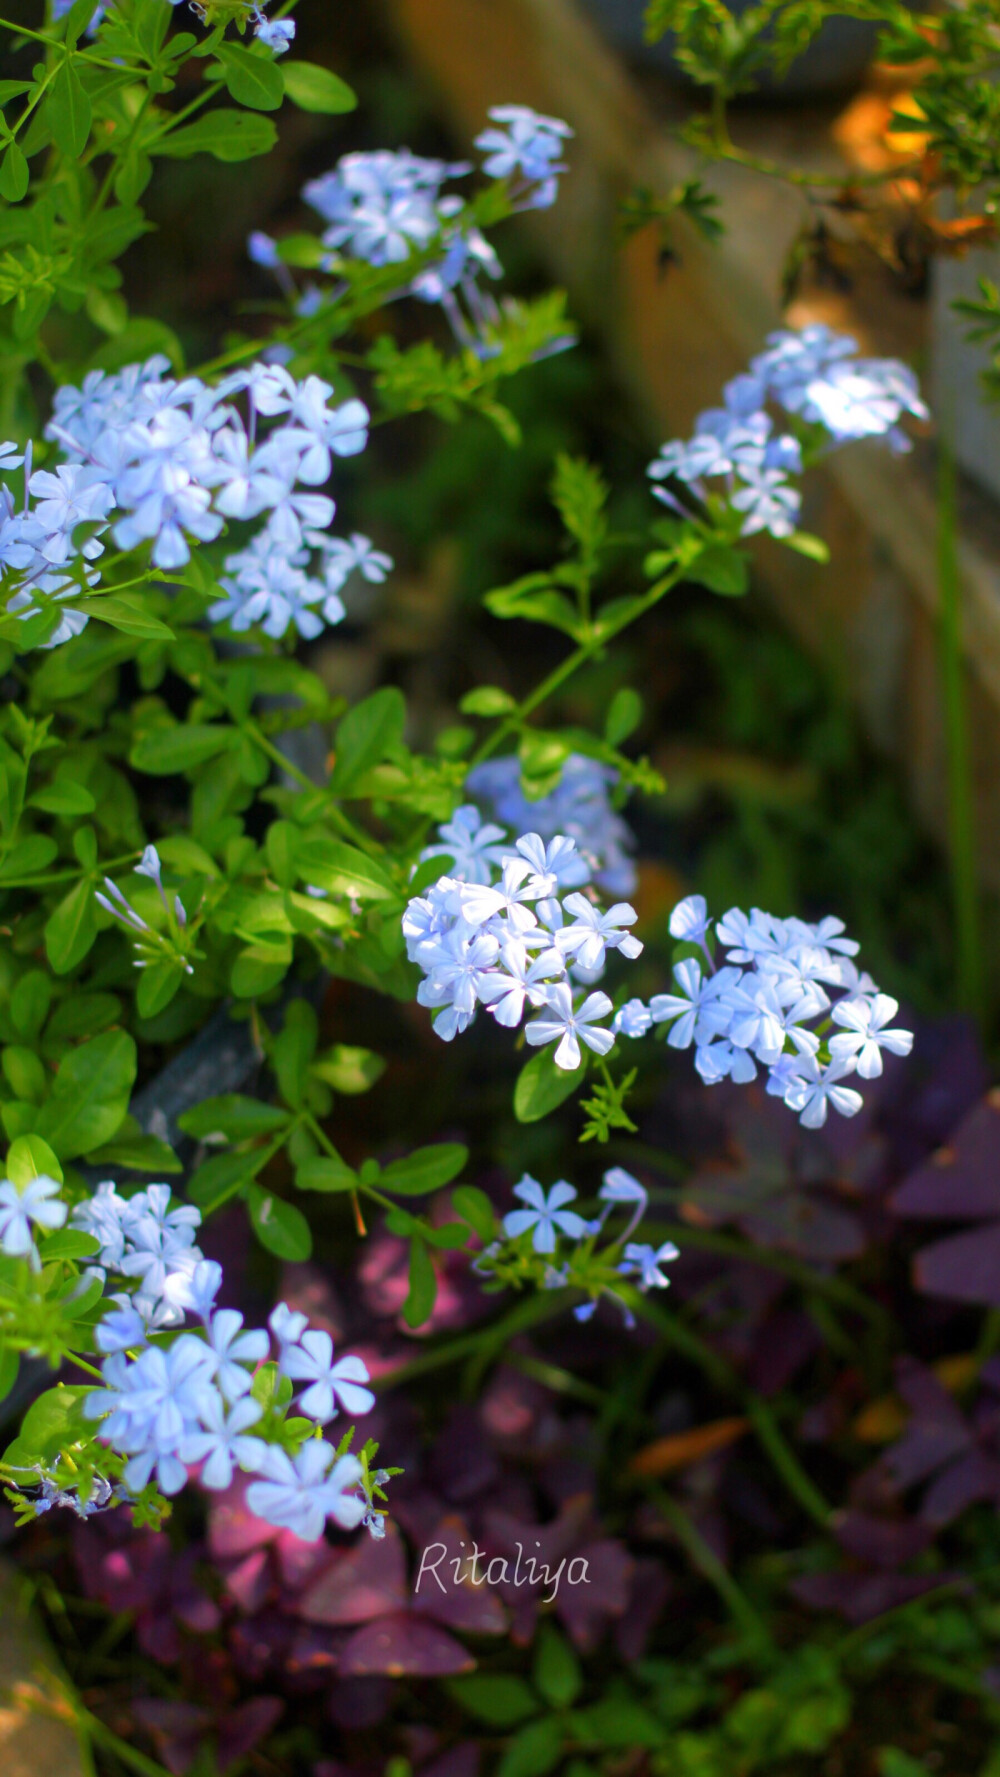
(963, 1268)
(364, 1581)
(404, 1646)
(467, 1604)
(962, 1179)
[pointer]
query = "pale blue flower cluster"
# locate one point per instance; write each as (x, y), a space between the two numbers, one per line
(813, 375)
(501, 932)
(385, 205)
(162, 462)
(171, 1406)
(760, 1007)
(525, 149)
(579, 806)
(548, 1218)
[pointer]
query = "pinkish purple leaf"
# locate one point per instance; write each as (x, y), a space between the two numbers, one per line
(365, 1581)
(806, 1224)
(242, 1728)
(232, 1527)
(881, 1542)
(466, 1602)
(976, 1477)
(963, 1268)
(404, 1647)
(961, 1179)
(177, 1728)
(249, 1581)
(859, 1597)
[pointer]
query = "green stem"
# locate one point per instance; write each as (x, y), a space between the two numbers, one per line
(785, 1461)
(483, 1344)
(606, 630)
(961, 806)
(722, 1374)
(707, 1563)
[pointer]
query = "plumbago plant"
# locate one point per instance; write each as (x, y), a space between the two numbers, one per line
(166, 549)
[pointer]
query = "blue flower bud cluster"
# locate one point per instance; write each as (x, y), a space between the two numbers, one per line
(813, 376)
(162, 462)
(500, 931)
(772, 1002)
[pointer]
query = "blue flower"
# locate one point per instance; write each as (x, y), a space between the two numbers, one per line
(547, 1215)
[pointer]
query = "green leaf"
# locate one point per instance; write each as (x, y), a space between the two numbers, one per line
(234, 1116)
(13, 175)
(251, 79)
(53, 1422)
(621, 1721)
(137, 1153)
(85, 847)
(83, 1014)
(68, 1243)
(427, 1169)
(473, 1205)
(348, 1069)
(71, 928)
(157, 986)
(500, 1700)
(29, 857)
(280, 1227)
(258, 969)
(370, 732)
(343, 869)
(325, 1173)
(63, 796)
(280, 845)
(806, 544)
(556, 1672)
(77, 19)
(221, 1177)
(293, 1050)
(167, 750)
(487, 700)
(534, 1750)
(422, 1293)
(25, 1073)
(537, 601)
(90, 1095)
(128, 613)
(10, 1363)
(134, 344)
(580, 494)
(721, 569)
(30, 1000)
(623, 717)
(228, 135)
(541, 1086)
(68, 112)
(30, 1157)
(312, 88)
(187, 856)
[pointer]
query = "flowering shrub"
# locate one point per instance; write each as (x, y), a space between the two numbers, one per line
(168, 865)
